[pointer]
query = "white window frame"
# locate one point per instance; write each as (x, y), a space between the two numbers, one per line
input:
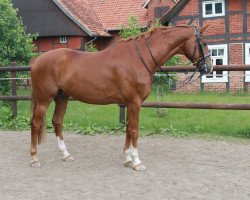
(63, 39)
(204, 3)
(247, 61)
(214, 79)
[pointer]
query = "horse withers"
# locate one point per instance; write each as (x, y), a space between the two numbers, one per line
(120, 74)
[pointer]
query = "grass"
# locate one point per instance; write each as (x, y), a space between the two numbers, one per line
(178, 122)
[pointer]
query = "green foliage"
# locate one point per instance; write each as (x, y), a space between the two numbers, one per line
(15, 44)
(175, 60)
(90, 119)
(156, 24)
(91, 129)
(133, 29)
(167, 131)
(162, 79)
(91, 47)
(22, 122)
(8, 123)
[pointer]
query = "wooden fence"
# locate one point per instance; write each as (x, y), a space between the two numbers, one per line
(13, 69)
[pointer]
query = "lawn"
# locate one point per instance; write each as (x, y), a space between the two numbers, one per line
(177, 121)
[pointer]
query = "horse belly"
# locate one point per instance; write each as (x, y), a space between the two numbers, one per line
(94, 92)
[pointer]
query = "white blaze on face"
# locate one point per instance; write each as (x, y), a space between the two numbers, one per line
(62, 147)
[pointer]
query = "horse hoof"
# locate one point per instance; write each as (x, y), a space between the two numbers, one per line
(69, 158)
(139, 167)
(35, 163)
(128, 163)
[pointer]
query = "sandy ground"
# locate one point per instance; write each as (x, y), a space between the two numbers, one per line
(177, 168)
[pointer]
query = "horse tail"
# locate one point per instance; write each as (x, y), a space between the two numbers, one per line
(41, 129)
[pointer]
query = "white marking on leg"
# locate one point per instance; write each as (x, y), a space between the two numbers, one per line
(137, 165)
(62, 147)
(127, 153)
(134, 155)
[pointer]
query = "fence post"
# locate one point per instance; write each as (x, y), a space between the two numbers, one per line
(122, 117)
(13, 91)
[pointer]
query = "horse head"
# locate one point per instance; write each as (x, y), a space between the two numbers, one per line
(196, 50)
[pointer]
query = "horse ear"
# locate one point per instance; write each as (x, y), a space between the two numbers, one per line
(203, 28)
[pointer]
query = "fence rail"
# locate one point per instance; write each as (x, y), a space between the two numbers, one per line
(215, 68)
(14, 98)
(182, 68)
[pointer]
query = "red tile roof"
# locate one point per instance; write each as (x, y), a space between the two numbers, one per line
(113, 14)
(96, 17)
(81, 12)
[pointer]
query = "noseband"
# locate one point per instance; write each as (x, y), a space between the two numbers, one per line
(201, 63)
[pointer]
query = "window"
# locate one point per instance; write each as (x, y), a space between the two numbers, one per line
(219, 57)
(63, 39)
(213, 8)
(247, 61)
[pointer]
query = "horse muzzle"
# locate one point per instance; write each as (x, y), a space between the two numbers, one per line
(206, 66)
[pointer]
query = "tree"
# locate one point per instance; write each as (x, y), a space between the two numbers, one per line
(15, 44)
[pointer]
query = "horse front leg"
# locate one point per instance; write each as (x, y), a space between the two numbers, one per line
(130, 147)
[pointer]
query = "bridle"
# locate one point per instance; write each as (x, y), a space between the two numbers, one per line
(200, 64)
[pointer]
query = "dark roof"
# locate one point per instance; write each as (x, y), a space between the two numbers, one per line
(45, 18)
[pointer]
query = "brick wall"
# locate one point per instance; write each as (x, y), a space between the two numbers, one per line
(215, 87)
(190, 87)
(236, 23)
(235, 5)
(190, 9)
(248, 7)
(236, 57)
(49, 43)
(158, 3)
(218, 28)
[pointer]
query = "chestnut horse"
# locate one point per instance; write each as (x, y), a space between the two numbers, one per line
(120, 74)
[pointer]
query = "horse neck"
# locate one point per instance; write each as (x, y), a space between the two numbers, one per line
(166, 45)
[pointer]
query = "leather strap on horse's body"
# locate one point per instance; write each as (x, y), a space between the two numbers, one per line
(142, 59)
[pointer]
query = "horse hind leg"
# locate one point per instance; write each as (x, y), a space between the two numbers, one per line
(37, 130)
(61, 102)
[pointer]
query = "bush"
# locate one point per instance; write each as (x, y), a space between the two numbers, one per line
(91, 47)
(15, 44)
(132, 30)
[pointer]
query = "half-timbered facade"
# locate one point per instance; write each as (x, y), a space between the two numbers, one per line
(228, 38)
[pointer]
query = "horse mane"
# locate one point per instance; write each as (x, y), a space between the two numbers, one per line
(151, 30)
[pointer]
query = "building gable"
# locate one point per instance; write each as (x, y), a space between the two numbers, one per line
(45, 18)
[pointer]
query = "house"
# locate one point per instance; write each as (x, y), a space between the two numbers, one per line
(73, 24)
(228, 38)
